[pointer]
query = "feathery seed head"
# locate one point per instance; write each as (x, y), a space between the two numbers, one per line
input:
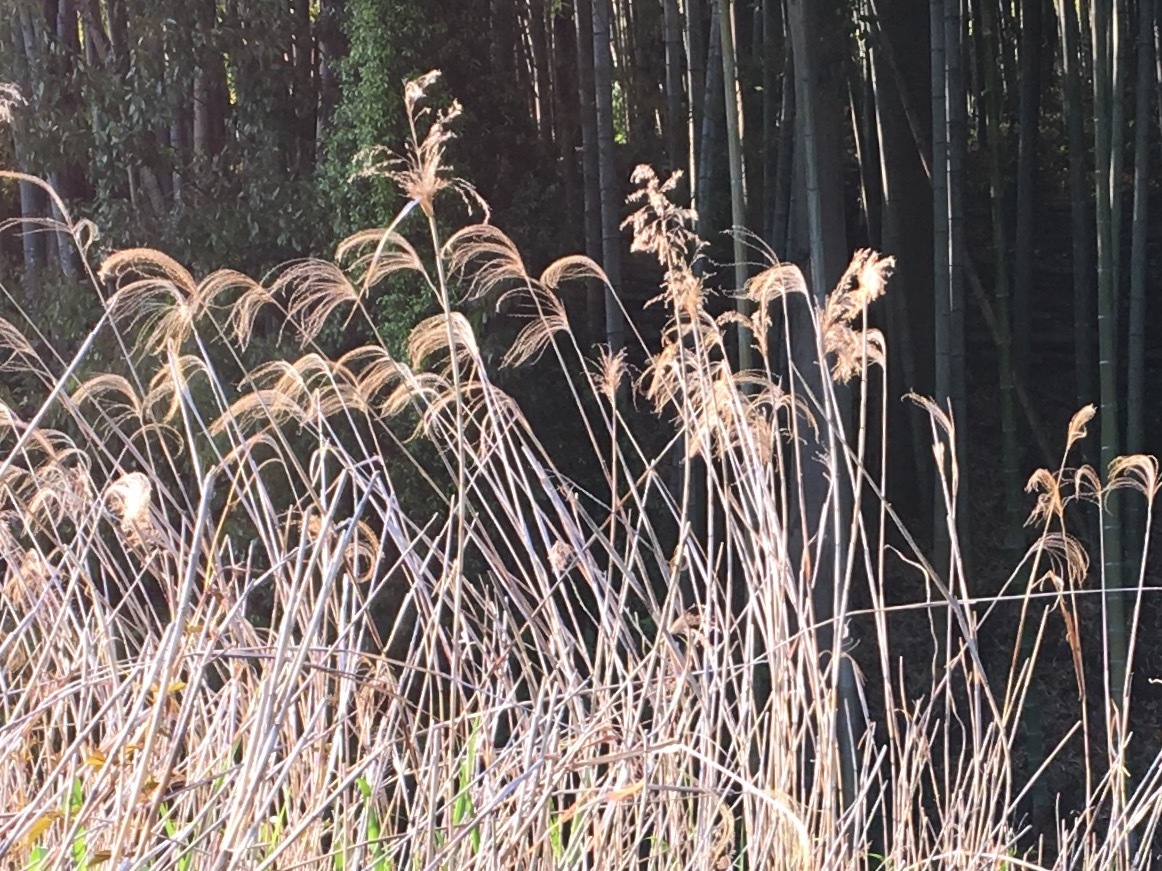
(1067, 555)
(420, 173)
(862, 283)
(161, 298)
(28, 580)
(660, 227)
(129, 498)
(547, 317)
(1136, 472)
(561, 557)
(1077, 425)
(433, 334)
(1050, 504)
(487, 257)
(609, 372)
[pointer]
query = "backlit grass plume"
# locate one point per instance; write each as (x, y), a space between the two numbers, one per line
(234, 637)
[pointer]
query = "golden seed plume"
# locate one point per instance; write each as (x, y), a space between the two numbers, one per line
(129, 498)
(1077, 425)
(576, 267)
(161, 299)
(260, 408)
(1050, 504)
(28, 581)
(119, 395)
(775, 282)
(374, 254)
(609, 373)
(420, 173)
(221, 281)
(561, 557)
(372, 370)
(245, 310)
(939, 416)
(62, 490)
(1067, 555)
(1135, 472)
(315, 290)
(547, 317)
(432, 334)
(491, 257)
(1087, 484)
(170, 383)
(14, 342)
(660, 227)
(360, 553)
(414, 388)
(861, 284)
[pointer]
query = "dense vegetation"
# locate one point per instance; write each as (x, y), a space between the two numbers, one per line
(670, 597)
(229, 644)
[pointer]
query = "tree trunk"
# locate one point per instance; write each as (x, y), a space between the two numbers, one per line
(96, 42)
(948, 133)
(118, 33)
(772, 35)
(1009, 312)
(784, 159)
(611, 198)
(1136, 344)
(734, 134)
(819, 101)
(329, 49)
(1119, 58)
(676, 148)
(590, 163)
(619, 46)
(1115, 638)
(710, 136)
(696, 82)
(305, 85)
(817, 35)
(33, 202)
(526, 79)
(863, 123)
(566, 109)
(209, 86)
(504, 40)
(539, 43)
(942, 273)
(1081, 216)
(1006, 319)
(907, 233)
(1029, 126)
(68, 177)
(954, 32)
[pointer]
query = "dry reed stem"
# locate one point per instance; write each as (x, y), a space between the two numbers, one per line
(231, 642)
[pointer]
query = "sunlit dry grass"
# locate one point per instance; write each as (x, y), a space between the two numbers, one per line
(230, 642)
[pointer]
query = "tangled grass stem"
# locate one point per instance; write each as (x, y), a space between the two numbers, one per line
(279, 661)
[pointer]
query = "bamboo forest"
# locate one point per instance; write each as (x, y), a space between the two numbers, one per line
(580, 434)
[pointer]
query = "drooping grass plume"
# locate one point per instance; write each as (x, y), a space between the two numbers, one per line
(241, 630)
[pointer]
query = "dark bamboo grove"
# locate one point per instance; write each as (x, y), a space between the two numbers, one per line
(1003, 152)
(816, 127)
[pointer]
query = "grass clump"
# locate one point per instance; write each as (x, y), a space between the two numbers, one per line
(231, 641)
